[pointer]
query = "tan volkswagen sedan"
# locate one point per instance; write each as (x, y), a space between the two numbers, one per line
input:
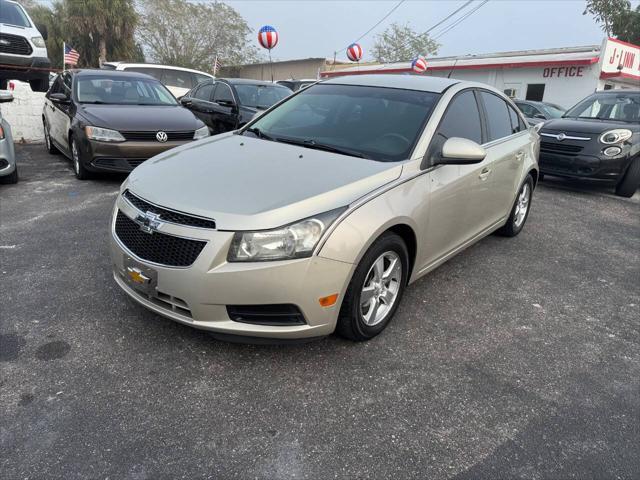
(317, 215)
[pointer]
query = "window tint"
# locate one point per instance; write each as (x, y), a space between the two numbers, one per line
(223, 93)
(204, 92)
(12, 14)
(462, 119)
(177, 78)
(57, 85)
(201, 78)
(498, 120)
(66, 84)
(261, 96)
(516, 123)
(122, 91)
(154, 72)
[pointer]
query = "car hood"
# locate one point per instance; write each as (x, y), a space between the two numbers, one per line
(589, 126)
(140, 118)
(246, 183)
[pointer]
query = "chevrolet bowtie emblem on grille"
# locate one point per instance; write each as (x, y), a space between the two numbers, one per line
(149, 222)
(136, 276)
(162, 137)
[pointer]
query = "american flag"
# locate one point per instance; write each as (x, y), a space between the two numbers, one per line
(217, 65)
(71, 56)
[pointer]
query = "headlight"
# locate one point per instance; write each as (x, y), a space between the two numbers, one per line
(612, 151)
(103, 134)
(201, 133)
(293, 241)
(615, 136)
(38, 42)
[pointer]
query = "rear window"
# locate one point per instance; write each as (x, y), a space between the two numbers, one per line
(154, 72)
(12, 14)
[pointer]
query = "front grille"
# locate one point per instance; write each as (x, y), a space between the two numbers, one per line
(561, 148)
(151, 136)
(118, 164)
(14, 44)
(157, 247)
(276, 314)
(168, 215)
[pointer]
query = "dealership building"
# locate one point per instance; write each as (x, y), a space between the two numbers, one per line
(561, 75)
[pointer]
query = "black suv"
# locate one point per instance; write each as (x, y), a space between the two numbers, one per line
(227, 104)
(598, 139)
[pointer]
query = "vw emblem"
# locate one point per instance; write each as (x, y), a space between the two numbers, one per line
(161, 137)
(149, 222)
(561, 137)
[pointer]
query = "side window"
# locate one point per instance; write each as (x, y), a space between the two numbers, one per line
(177, 78)
(516, 123)
(462, 119)
(526, 109)
(57, 85)
(223, 94)
(498, 119)
(204, 92)
(66, 84)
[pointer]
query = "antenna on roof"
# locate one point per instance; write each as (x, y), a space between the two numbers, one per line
(452, 67)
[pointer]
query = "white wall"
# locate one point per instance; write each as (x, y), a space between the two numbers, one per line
(563, 90)
(24, 114)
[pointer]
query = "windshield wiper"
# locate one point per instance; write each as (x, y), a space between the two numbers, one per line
(321, 146)
(258, 133)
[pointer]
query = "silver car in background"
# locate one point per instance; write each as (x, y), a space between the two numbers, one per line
(8, 167)
(316, 215)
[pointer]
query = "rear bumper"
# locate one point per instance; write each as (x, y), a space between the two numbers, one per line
(24, 68)
(584, 166)
(125, 156)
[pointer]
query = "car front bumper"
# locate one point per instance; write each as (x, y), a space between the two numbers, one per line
(124, 156)
(584, 166)
(198, 295)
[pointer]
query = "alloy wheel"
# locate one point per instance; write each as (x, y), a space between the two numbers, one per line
(381, 287)
(522, 205)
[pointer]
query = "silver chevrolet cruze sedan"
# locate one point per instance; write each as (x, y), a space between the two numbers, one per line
(315, 216)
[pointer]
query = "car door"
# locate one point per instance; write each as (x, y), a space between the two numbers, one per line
(58, 117)
(458, 192)
(506, 149)
(50, 109)
(225, 109)
(201, 104)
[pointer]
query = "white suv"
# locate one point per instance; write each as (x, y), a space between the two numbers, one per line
(178, 80)
(23, 53)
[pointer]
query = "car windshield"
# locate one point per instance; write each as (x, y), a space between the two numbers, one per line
(12, 14)
(377, 123)
(622, 107)
(552, 111)
(261, 96)
(122, 91)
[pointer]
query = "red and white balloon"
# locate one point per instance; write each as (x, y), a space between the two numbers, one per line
(354, 52)
(268, 37)
(419, 64)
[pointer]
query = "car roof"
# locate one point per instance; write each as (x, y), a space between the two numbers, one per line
(89, 72)
(155, 65)
(407, 82)
(246, 81)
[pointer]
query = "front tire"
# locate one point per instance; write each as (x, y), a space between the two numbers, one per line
(78, 165)
(520, 210)
(11, 178)
(631, 180)
(375, 290)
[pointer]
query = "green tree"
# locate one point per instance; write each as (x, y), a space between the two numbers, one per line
(400, 43)
(617, 17)
(177, 32)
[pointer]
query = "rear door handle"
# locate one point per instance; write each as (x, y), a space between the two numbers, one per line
(484, 173)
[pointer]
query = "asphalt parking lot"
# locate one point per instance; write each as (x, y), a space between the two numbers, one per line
(519, 358)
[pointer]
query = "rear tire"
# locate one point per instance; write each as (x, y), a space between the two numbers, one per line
(381, 275)
(631, 180)
(11, 178)
(518, 216)
(76, 159)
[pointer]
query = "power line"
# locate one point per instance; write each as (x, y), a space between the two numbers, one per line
(461, 19)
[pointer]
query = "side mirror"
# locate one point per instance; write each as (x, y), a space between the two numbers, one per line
(59, 98)
(461, 151)
(6, 96)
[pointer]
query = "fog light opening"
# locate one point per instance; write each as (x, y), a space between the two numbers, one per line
(329, 300)
(612, 151)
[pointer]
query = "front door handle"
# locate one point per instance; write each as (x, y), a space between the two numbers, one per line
(484, 174)
(519, 156)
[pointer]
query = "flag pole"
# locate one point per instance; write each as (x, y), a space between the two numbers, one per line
(64, 47)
